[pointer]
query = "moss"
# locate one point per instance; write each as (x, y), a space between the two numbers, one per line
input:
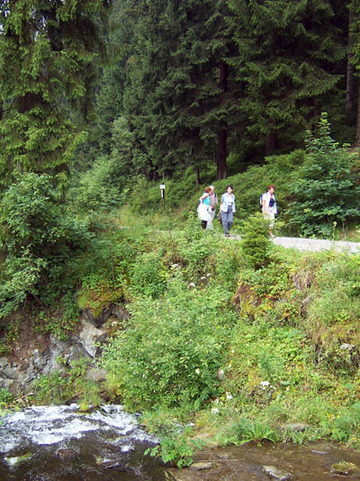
(97, 299)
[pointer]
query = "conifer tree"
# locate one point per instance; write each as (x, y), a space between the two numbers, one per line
(288, 60)
(177, 99)
(354, 55)
(47, 54)
(326, 193)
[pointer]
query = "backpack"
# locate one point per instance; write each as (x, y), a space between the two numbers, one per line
(260, 200)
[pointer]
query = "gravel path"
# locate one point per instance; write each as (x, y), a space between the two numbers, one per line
(317, 244)
(313, 244)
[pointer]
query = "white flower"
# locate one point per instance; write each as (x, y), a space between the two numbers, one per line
(197, 370)
(191, 285)
(215, 411)
(228, 396)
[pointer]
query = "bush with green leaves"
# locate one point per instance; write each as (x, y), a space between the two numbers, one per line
(148, 274)
(61, 386)
(171, 350)
(326, 194)
(177, 449)
(40, 238)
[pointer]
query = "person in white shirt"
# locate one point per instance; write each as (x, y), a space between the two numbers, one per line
(269, 207)
(227, 209)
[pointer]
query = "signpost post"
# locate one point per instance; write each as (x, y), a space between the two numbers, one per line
(162, 188)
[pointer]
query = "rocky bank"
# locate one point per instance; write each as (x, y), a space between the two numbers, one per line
(37, 354)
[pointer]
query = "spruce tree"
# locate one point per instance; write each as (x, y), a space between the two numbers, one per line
(288, 58)
(47, 55)
(325, 196)
(354, 57)
(178, 95)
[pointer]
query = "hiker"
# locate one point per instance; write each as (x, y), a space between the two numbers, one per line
(203, 209)
(227, 209)
(213, 202)
(269, 208)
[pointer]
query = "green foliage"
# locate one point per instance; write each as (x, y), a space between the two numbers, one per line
(6, 398)
(172, 348)
(177, 449)
(67, 384)
(256, 431)
(51, 389)
(40, 238)
(148, 275)
(333, 315)
(281, 65)
(100, 187)
(327, 191)
(255, 242)
(345, 425)
(47, 57)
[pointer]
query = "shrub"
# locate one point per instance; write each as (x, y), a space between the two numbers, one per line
(177, 449)
(327, 192)
(148, 275)
(40, 238)
(60, 386)
(171, 350)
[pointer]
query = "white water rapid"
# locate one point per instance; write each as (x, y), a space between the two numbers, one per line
(50, 443)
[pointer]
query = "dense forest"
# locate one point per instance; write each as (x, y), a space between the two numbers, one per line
(153, 87)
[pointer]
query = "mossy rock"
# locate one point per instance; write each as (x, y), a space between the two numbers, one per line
(97, 299)
(344, 468)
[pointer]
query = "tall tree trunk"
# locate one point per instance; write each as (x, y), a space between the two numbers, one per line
(197, 175)
(221, 160)
(221, 164)
(350, 72)
(271, 142)
(357, 133)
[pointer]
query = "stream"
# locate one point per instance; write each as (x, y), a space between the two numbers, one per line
(57, 443)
